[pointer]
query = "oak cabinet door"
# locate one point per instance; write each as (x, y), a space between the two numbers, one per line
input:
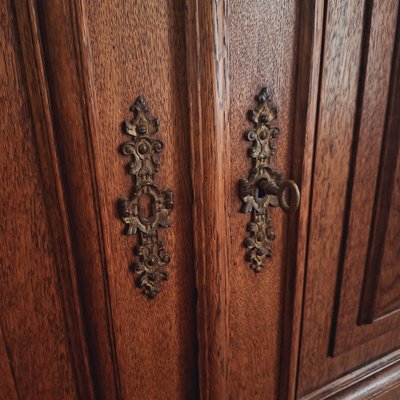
(352, 290)
(92, 61)
(316, 316)
(245, 318)
(113, 52)
(199, 65)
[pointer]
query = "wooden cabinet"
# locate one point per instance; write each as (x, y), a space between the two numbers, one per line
(320, 320)
(352, 290)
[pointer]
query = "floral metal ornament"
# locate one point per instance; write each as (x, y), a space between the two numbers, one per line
(152, 260)
(265, 187)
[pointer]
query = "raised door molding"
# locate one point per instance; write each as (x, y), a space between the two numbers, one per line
(351, 295)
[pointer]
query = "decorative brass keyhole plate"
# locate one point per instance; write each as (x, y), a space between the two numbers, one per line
(151, 261)
(265, 187)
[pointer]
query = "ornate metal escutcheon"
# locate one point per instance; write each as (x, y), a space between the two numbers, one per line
(151, 261)
(265, 187)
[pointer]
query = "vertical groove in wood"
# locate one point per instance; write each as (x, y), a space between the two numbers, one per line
(339, 104)
(207, 67)
(82, 49)
(309, 48)
(376, 59)
(39, 103)
(63, 28)
(365, 41)
(383, 197)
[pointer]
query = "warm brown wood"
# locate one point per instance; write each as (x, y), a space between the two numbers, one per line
(41, 331)
(359, 79)
(321, 321)
(66, 69)
(114, 52)
(262, 40)
(240, 314)
(381, 285)
(206, 49)
(309, 51)
(8, 389)
(365, 241)
(379, 379)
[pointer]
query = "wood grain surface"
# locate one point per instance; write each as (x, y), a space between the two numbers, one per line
(8, 386)
(381, 288)
(232, 52)
(364, 243)
(311, 21)
(320, 321)
(40, 322)
(357, 75)
(376, 380)
(115, 52)
(206, 49)
(262, 52)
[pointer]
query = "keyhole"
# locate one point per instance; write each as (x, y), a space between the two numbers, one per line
(146, 206)
(262, 188)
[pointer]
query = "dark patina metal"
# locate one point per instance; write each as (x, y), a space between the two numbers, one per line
(151, 261)
(265, 187)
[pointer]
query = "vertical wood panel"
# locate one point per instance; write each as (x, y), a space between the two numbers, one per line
(111, 53)
(311, 19)
(383, 262)
(63, 33)
(363, 243)
(138, 48)
(262, 52)
(236, 53)
(207, 65)
(332, 155)
(39, 324)
(353, 116)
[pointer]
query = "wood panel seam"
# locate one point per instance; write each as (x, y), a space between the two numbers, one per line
(314, 152)
(84, 369)
(82, 50)
(367, 20)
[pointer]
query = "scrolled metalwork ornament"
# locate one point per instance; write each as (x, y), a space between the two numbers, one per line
(265, 187)
(152, 260)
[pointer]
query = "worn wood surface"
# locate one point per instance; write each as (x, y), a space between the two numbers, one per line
(40, 316)
(359, 75)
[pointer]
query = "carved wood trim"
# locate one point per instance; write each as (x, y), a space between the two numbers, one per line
(30, 39)
(207, 67)
(63, 26)
(383, 200)
(365, 383)
(310, 44)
